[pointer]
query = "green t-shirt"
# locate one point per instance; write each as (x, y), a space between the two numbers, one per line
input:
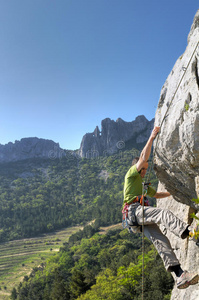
(133, 185)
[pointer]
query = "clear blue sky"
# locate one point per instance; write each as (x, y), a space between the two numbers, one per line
(68, 64)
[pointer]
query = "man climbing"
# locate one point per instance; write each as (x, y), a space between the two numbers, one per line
(153, 216)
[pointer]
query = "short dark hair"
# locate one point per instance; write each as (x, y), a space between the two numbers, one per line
(135, 160)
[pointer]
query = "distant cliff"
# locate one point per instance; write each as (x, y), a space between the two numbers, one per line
(30, 148)
(115, 136)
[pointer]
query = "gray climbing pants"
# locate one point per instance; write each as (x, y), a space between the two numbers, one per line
(153, 217)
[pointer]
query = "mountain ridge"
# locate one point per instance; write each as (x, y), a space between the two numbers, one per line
(113, 137)
(31, 147)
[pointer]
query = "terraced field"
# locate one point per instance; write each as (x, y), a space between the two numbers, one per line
(18, 258)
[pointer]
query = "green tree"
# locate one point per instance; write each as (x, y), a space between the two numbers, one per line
(78, 284)
(106, 287)
(13, 294)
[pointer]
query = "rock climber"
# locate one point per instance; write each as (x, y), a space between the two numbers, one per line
(153, 216)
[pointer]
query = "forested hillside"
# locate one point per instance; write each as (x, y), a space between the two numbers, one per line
(95, 267)
(38, 196)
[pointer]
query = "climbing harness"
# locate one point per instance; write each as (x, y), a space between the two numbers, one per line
(128, 212)
(129, 221)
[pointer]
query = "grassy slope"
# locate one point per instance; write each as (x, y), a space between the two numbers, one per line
(18, 258)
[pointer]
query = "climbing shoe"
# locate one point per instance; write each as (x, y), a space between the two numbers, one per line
(187, 279)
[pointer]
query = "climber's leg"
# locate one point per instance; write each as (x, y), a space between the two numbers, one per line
(162, 245)
(171, 263)
(154, 215)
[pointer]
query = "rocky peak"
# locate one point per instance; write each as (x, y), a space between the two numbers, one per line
(176, 150)
(97, 132)
(114, 135)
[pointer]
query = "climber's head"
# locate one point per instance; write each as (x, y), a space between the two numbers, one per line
(135, 160)
(144, 170)
(144, 167)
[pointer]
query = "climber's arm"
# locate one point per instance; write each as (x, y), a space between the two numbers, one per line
(144, 156)
(159, 195)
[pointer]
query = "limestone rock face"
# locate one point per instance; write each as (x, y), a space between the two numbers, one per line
(177, 146)
(176, 150)
(114, 135)
(30, 148)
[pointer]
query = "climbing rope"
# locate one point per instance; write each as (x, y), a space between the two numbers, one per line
(143, 243)
(184, 69)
